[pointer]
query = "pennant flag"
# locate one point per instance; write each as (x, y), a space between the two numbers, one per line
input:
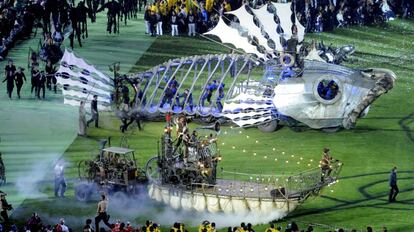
(80, 81)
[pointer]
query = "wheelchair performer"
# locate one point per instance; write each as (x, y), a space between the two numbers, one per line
(220, 97)
(60, 182)
(208, 92)
(187, 99)
(169, 94)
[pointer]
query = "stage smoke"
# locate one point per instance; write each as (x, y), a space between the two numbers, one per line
(127, 208)
(28, 185)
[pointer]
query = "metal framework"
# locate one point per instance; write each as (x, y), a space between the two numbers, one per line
(223, 69)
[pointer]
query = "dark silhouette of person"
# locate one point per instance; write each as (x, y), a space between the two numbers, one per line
(393, 185)
(19, 79)
(50, 72)
(5, 206)
(94, 111)
(82, 15)
(113, 11)
(35, 78)
(10, 71)
(41, 85)
(76, 31)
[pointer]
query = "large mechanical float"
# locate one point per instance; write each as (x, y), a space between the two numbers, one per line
(184, 175)
(273, 77)
(273, 82)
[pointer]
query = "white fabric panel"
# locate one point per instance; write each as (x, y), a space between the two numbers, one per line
(89, 88)
(232, 36)
(74, 80)
(240, 115)
(246, 21)
(100, 85)
(283, 10)
(81, 95)
(233, 105)
(269, 25)
(251, 122)
(74, 102)
(81, 63)
(76, 77)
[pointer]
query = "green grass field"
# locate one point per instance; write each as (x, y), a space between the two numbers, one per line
(380, 141)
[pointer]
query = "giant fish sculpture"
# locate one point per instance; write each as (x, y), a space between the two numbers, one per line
(264, 85)
(272, 77)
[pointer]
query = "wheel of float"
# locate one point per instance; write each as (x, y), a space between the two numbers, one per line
(83, 192)
(296, 127)
(331, 129)
(83, 170)
(121, 198)
(152, 170)
(269, 126)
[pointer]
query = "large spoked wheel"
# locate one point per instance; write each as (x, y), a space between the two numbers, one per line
(152, 170)
(83, 192)
(121, 198)
(331, 129)
(269, 126)
(82, 169)
(296, 126)
(85, 170)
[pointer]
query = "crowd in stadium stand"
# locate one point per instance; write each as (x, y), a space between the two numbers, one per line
(16, 23)
(56, 18)
(190, 16)
(35, 224)
(325, 15)
(176, 17)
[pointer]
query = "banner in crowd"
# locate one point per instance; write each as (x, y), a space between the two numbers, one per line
(80, 81)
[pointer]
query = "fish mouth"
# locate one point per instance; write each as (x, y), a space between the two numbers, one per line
(377, 73)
